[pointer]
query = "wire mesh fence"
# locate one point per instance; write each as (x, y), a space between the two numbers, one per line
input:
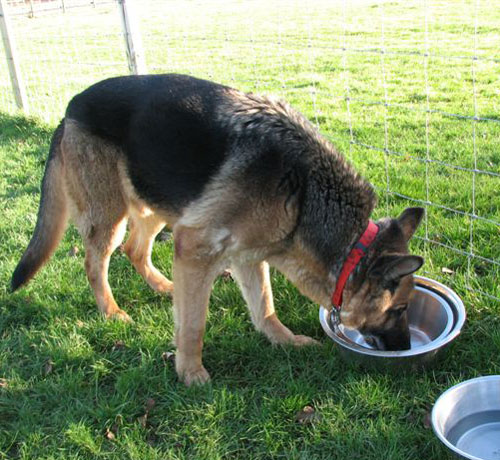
(408, 90)
(61, 52)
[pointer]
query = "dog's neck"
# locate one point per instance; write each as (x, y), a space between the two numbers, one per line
(351, 234)
(336, 209)
(339, 262)
(353, 259)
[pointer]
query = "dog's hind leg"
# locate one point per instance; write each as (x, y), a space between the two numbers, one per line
(143, 230)
(97, 207)
(98, 249)
(255, 285)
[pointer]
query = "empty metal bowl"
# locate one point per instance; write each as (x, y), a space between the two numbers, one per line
(435, 316)
(466, 418)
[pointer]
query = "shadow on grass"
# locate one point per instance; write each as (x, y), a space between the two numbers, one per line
(20, 127)
(256, 387)
(94, 382)
(24, 138)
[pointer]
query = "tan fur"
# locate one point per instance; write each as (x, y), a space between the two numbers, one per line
(306, 272)
(226, 226)
(208, 237)
(97, 207)
(369, 304)
(255, 284)
(138, 248)
(58, 214)
(101, 200)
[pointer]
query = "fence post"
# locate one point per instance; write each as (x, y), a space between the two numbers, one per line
(132, 37)
(12, 61)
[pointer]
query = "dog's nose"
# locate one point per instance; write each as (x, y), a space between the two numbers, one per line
(395, 342)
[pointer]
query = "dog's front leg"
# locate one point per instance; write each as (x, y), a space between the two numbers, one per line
(194, 272)
(255, 285)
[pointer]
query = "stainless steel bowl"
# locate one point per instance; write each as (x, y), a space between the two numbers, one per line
(435, 315)
(466, 418)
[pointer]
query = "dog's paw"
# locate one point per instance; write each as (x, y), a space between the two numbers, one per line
(162, 285)
(304, 340)
(120, 315)
(196, 377)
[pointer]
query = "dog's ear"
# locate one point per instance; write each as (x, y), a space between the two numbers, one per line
(409, 221)
(393, 267)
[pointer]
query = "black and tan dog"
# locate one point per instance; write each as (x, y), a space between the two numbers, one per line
(243, 181)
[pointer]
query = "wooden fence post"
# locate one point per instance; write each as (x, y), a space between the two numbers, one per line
(132, 37)
(12, 60)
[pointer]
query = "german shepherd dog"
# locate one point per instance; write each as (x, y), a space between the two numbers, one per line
(244, 181)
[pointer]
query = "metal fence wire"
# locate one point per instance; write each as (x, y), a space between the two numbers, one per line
(398, 86)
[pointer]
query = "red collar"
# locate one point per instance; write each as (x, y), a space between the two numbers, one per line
(356, 254)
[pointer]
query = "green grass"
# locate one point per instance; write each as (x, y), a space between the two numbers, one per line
(68, 376)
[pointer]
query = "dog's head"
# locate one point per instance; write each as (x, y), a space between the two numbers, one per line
(375, 301)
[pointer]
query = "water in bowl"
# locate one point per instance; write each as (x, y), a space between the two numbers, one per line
(478, 435)
(418, 338)
(430, 319)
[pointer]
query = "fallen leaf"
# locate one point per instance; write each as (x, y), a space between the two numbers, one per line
(307, 415)
(150, 403)
(447, 271)
(109, 434)
(168, 356)
(3, 383)
(426, 421)
(73, 252)
(143, 420)
(118, 346)
(79, 323)
(48, 368)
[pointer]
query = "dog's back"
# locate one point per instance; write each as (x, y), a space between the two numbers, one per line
(170, 136)
(165, 126)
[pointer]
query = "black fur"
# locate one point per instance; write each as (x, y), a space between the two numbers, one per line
(177, 131)
(165, 126)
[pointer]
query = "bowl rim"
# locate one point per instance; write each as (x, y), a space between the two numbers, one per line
(442, 397)
(429, 346)
(421, 282)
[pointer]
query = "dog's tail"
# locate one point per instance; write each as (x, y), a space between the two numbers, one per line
(52, 216)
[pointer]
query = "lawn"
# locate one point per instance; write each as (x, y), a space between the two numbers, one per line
(394, 85)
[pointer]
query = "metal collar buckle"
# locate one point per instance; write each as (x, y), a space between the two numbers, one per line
(335, 316)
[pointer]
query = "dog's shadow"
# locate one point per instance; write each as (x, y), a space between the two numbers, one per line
(105, 382)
